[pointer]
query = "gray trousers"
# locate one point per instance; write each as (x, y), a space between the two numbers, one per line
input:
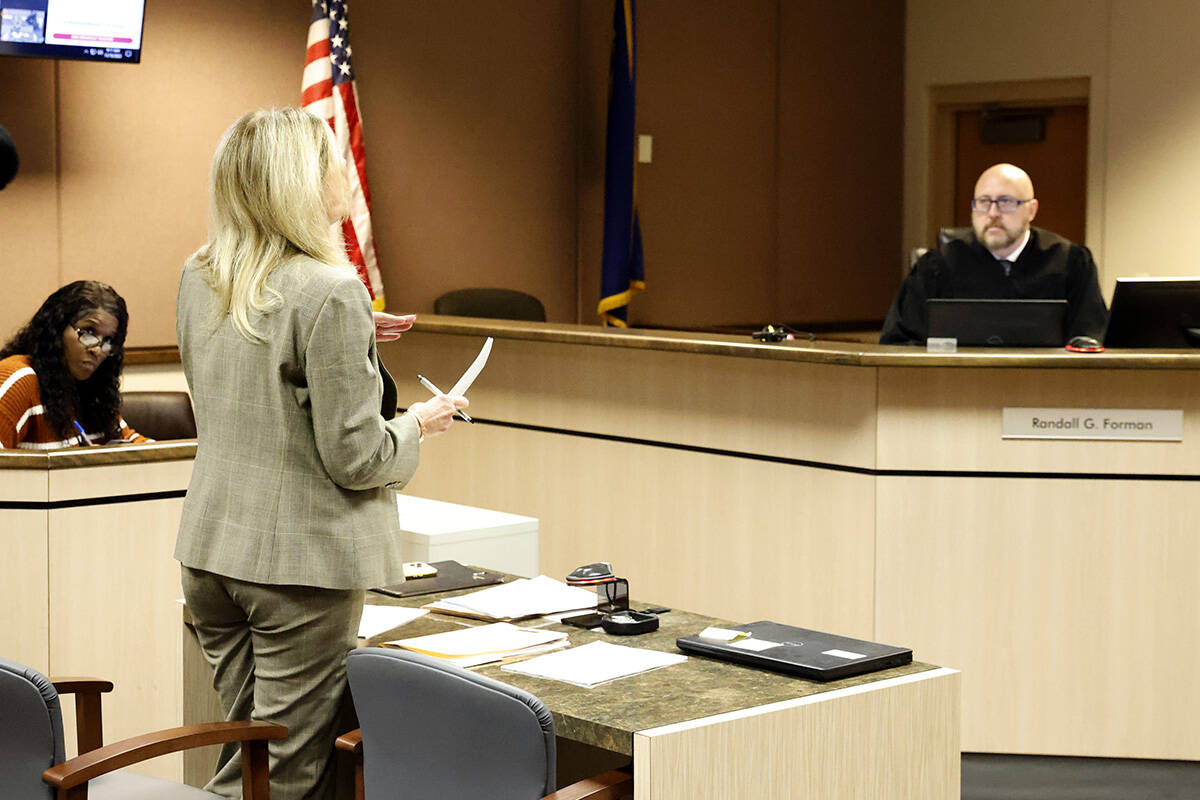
(278, 654)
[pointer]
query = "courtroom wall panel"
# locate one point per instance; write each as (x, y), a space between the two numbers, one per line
(470, 118)
(136, 142)
(789, 410)
(29, 240)
(484, 128)
(688, 530)
(950, 419)
(25, 613)
(696, 475)
(88, 578)
(1069, 606)
(841, 93)
(708, 82)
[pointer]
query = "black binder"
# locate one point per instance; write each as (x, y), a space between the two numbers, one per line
(799, 651)
(451, 575)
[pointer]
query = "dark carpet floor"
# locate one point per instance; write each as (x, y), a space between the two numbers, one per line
(1011, 777)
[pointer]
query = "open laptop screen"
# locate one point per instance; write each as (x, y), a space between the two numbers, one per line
(998, 323)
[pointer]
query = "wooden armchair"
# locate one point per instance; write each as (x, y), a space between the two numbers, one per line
(31, 736)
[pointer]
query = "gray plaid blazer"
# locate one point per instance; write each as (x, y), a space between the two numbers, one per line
(295, 468)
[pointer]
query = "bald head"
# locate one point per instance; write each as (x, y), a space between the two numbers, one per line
(1010, 176)
(1002, 232)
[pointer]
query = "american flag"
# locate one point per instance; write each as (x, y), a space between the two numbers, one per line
(328, 91)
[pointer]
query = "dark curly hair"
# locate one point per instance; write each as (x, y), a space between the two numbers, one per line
(96, 402)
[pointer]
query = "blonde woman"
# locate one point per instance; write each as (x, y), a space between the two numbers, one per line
(290, 513)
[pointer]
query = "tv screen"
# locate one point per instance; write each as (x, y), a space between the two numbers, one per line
(90, 30)
(1154, 312)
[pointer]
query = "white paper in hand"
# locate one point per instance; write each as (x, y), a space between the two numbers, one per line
(459, 389)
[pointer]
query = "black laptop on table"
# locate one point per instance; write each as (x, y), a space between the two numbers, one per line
(799, 651)
(978, 322)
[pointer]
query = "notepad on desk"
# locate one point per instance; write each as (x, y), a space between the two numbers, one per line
(484, 644)
(520, 599)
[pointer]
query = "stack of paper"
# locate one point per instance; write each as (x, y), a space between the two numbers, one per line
(595, 663)
(526, 597)
(470, 647)
(377, 619)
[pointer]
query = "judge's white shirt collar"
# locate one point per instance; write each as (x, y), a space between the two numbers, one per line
(1015, 254)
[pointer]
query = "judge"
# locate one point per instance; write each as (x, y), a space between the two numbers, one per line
(1004, 258)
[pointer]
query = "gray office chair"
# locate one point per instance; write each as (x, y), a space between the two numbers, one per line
(432, 729)
(492, 304)
(32, 765)
(159, 415)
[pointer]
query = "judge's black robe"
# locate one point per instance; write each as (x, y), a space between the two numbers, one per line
(1049, 268)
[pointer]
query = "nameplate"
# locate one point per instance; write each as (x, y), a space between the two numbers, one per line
(1126, 424)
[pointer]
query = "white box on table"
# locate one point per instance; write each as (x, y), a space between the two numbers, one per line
(434, 530)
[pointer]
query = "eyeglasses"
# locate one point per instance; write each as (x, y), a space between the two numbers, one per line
(1007, 205)
(89, 339)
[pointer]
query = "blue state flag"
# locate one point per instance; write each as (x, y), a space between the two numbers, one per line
(622, 270)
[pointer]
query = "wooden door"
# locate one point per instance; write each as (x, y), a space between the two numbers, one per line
(1057, 164)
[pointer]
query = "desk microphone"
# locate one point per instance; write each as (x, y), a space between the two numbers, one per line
(780, 333)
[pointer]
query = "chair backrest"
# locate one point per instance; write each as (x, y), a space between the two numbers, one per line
(947, 235)
(432, 729)
(31, 732)
(159, 415)
(491, 303)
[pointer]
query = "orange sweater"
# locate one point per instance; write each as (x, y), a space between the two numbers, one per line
(22, 423)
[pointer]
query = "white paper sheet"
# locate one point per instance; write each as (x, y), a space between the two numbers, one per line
(525, 597)
(377, 619)
(473, 371)
(594, 664)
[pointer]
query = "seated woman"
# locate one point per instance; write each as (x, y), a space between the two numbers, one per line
(60, 375)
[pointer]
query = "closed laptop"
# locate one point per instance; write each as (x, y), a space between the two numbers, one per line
(799, 651)
(989, 322)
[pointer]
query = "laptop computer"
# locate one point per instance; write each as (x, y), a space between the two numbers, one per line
(799, 651)
(977, 322)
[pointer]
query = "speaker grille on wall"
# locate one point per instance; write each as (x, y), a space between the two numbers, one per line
(1013, 125)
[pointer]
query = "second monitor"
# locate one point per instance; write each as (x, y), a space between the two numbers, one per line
(1154, 312)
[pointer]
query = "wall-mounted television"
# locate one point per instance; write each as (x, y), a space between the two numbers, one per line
(89, 30)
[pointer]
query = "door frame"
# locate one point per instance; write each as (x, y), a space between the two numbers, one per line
(947, 100)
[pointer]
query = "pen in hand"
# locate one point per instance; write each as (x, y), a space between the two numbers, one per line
(428, 385)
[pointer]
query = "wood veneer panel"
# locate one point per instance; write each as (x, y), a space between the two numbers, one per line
(894, 738)
(1070, 607)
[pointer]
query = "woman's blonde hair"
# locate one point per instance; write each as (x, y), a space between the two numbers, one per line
(268, 205)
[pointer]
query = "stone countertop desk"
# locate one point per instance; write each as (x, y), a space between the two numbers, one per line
(607, 716)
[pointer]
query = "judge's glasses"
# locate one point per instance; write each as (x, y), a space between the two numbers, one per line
(1007, 205)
